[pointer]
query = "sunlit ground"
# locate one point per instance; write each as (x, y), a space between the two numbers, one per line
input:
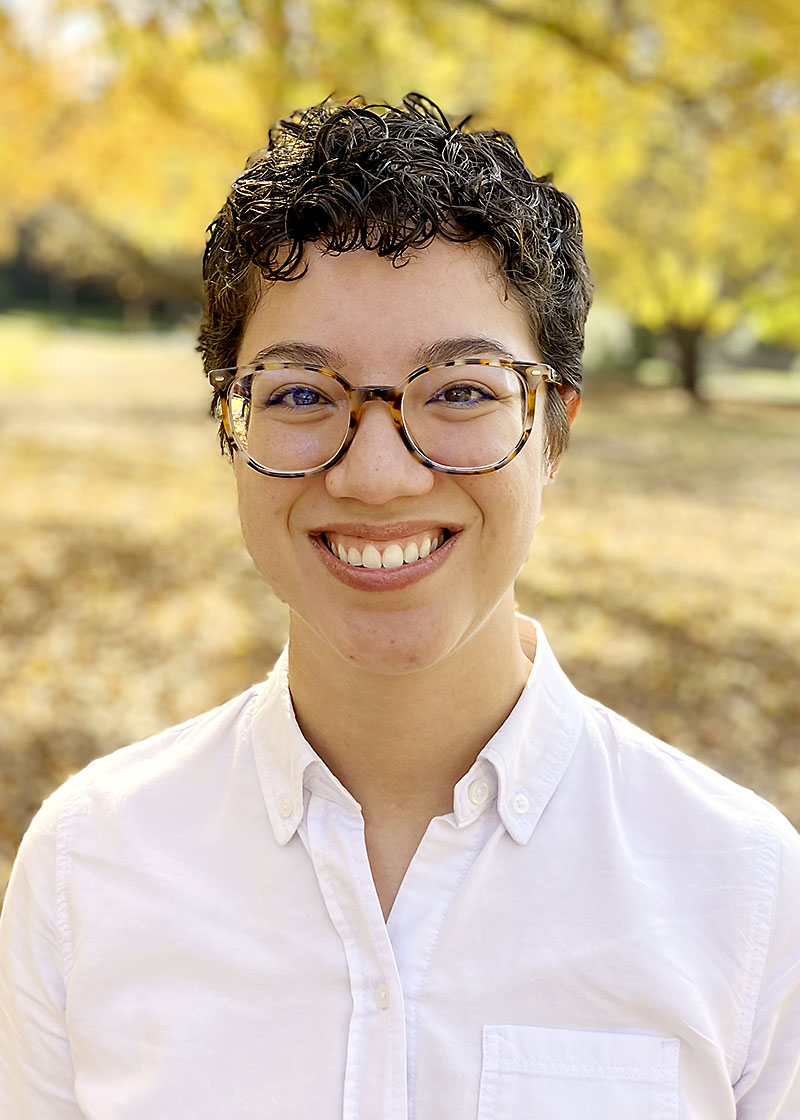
(665, 570)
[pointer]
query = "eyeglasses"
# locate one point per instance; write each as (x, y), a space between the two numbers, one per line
(465, 416)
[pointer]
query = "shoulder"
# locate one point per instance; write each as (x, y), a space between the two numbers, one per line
(171, 760)
(667, 793)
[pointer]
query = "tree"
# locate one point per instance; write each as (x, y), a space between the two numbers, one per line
(679, 131)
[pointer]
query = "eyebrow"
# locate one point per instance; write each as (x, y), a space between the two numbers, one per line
(443, 350)
(302, 352)
(470, 346)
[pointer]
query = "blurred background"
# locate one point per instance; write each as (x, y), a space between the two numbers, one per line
(665, 569)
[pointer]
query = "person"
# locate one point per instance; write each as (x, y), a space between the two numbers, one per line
(414, 873)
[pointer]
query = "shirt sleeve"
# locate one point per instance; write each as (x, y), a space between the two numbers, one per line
(36, 1074)
(769, 1086)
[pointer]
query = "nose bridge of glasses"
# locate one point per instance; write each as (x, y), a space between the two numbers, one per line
(366, 394)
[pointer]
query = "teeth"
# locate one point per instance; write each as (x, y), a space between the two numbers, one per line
(370, 557)
(393, 555)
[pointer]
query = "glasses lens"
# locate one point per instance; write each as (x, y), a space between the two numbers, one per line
(466, 416)
(288, 419)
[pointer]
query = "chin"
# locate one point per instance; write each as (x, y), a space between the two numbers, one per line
(391, 643)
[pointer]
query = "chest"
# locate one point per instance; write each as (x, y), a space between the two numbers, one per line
(505, 983)
(390, 849)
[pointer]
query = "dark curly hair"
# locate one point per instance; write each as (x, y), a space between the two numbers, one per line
(391, 179)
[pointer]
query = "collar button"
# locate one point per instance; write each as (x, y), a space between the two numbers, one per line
(520, 804)
(478, 792)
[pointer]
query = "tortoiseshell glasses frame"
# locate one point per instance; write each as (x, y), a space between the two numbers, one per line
(529, 374)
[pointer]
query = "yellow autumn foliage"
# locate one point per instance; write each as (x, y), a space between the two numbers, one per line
(676, 124)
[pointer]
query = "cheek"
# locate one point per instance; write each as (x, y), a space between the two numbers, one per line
(509, 500)
(511, 513)
(264, 508)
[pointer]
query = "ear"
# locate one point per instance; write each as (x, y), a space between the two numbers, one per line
(572, 403)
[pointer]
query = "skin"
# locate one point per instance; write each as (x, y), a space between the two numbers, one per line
(397, 690)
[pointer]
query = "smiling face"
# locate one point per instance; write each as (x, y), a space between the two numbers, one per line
(374, 324)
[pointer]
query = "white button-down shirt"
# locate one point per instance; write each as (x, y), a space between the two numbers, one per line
(601, 929)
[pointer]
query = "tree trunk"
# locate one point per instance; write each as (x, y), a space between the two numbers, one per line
(136, 313)
(687, 344)
(62, 292)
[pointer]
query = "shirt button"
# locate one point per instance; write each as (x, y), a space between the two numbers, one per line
(478, 792)
(382, 998)
(285, 808)
(520, 803)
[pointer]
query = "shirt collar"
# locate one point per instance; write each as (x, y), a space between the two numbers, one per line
(517, 771)
(287, 764)
(530, 752)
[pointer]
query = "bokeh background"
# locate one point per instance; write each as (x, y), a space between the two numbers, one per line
(665, 569)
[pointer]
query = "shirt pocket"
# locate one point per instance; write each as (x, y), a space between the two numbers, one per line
(541, 1073)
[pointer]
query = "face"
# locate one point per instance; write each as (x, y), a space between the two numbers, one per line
(374, 324)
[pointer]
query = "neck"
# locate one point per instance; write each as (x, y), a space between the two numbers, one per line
(399, 743)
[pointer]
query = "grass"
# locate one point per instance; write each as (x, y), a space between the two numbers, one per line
(665, 568)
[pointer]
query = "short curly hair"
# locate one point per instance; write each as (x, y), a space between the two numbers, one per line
(391, 179)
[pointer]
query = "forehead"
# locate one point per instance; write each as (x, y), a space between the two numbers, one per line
(364, 310)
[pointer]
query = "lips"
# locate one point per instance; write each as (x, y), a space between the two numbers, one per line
(386, 553)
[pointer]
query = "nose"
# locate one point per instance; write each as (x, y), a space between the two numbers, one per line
(378, 467)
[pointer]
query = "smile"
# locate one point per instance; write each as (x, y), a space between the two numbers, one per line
(384, 554)
(384, 558)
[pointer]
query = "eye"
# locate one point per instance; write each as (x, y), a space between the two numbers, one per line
(462, 394)
(297, 398)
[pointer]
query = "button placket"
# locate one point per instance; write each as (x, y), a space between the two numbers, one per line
(376, 1049)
